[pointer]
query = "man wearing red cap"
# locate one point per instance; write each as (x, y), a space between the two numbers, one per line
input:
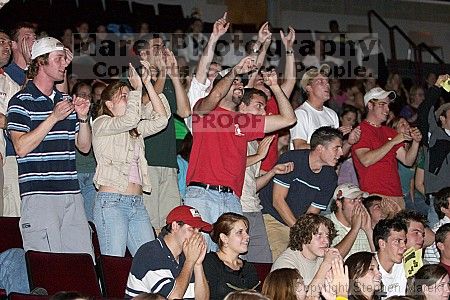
(171, 265)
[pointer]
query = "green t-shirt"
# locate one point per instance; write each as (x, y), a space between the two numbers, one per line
(161, 148)
(180, 128)
(85, 163)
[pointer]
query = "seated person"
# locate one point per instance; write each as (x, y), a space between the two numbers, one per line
(283, 284)
(443, 245)
(308, 249)
(224, 270)
(351, 220)
(171, 265)
(418, 236)
(389, 237)
(363, 270)
(373, 205)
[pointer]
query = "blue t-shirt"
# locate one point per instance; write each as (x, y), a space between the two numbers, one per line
(49, 168)
(305, 187)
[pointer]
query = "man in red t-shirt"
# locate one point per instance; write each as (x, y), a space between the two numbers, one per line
(375, 155)
(220, 134)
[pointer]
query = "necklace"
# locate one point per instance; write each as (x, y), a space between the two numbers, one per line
(373, 124)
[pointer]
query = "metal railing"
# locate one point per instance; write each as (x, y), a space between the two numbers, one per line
(416, 48)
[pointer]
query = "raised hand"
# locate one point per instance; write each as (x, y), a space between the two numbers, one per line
(246, 65)
(401, 137)
(415, 134)
(146, 74)
(354, 135)
(357, 218)
(69, 55)
(62, 109)
(264, 33)
(289, 39)
(81, 106)
(441, 79)
(340, 281)
(25, 47)
(192, 247)
(345, 129)
(171, 63)
(133, 78)
(270, 78)
(366, 220)
(263, 147)
(220, 26)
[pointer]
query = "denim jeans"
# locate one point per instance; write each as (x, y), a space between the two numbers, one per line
(88, 192)
(122, 221)
(211, 205)
(418, 205)
(432, 214)
(13, 271)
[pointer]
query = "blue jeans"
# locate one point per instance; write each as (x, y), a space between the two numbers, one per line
(122, 221)
(211, 205)
(418, 205)
(88, 192)
(433, 217)
(13, 271)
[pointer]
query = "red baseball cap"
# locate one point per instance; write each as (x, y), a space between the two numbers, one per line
(188, 215)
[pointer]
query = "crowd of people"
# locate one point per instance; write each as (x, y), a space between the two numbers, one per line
(342, 185)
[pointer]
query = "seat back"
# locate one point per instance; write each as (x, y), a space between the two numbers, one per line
(262, 269)
(57, 272)
(114, 275)
(19, 296)
(10, 236)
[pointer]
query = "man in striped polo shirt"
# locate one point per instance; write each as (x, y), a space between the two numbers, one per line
(45, 126)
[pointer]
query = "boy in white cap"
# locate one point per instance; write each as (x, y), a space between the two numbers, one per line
(45, 125)
(377, 151)
(351, 220)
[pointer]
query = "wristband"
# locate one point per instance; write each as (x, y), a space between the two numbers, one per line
(288, 52)
(341, 298)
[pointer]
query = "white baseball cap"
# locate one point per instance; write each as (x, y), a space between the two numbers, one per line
(45, 45)
(348, 190)
(378, 93)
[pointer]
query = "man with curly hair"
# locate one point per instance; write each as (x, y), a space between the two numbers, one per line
(309, 248)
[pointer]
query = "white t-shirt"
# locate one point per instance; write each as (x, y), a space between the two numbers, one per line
(309, 119)
(394, 283)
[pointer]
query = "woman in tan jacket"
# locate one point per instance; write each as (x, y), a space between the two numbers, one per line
(125, 118)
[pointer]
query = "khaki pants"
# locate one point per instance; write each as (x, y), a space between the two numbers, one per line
(11, 193)
(278, 235)
(164, 196)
